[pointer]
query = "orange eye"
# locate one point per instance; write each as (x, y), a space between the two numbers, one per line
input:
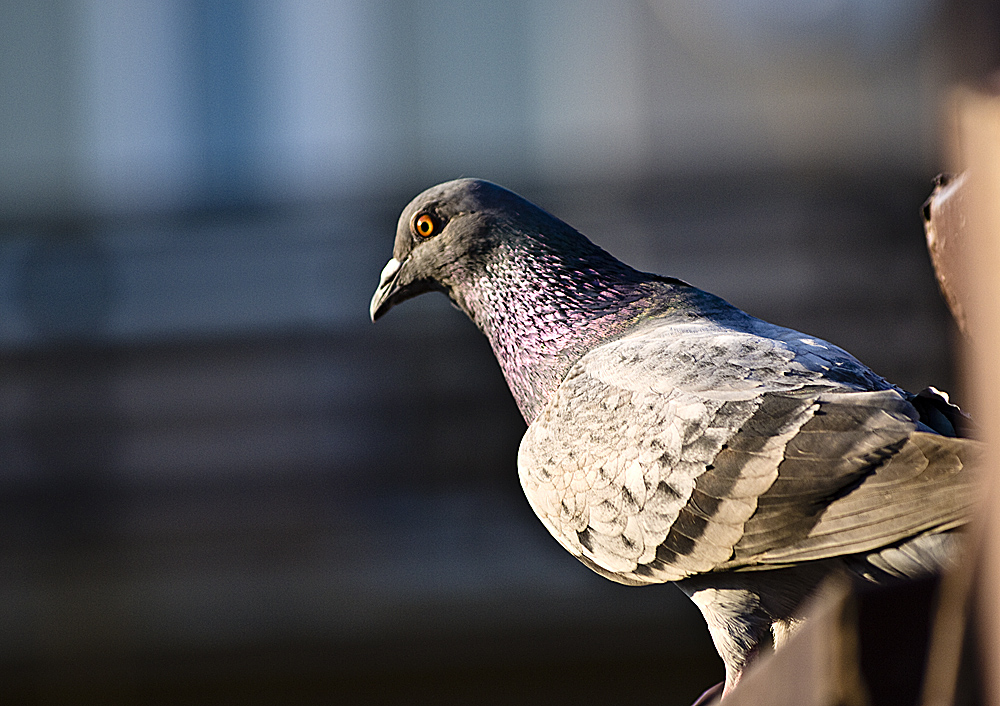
(424, 225)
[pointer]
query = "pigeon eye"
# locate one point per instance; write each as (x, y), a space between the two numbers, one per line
(425, 226)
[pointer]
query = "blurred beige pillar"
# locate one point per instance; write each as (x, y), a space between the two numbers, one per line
(976, 149)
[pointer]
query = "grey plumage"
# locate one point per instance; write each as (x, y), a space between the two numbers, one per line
(673, 437)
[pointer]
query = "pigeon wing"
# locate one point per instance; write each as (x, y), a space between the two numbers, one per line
(685, 448)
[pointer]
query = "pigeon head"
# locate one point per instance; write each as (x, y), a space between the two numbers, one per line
(539, 290)
(442, 239)
(449, 237)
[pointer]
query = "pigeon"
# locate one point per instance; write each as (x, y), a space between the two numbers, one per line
(673, 437)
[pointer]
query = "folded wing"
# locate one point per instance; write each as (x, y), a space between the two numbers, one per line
(683, 448)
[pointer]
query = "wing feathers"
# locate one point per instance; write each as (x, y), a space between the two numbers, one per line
(920, 489)
(644, 471)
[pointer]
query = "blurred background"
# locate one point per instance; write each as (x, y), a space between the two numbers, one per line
(220, 483)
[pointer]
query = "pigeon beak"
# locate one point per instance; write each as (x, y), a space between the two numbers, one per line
(386, 288)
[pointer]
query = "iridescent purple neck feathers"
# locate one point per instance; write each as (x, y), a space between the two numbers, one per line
(542, 309)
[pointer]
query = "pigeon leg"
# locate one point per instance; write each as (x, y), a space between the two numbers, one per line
(737, 623)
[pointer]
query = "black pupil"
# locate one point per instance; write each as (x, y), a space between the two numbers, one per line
(424, 225)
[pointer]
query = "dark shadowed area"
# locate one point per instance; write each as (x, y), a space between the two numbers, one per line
(221, 484)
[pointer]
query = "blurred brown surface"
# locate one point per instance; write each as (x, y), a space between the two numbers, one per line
(977, 150)
(860, 645)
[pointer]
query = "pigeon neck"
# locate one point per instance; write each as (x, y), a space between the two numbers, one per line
(541, 312)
